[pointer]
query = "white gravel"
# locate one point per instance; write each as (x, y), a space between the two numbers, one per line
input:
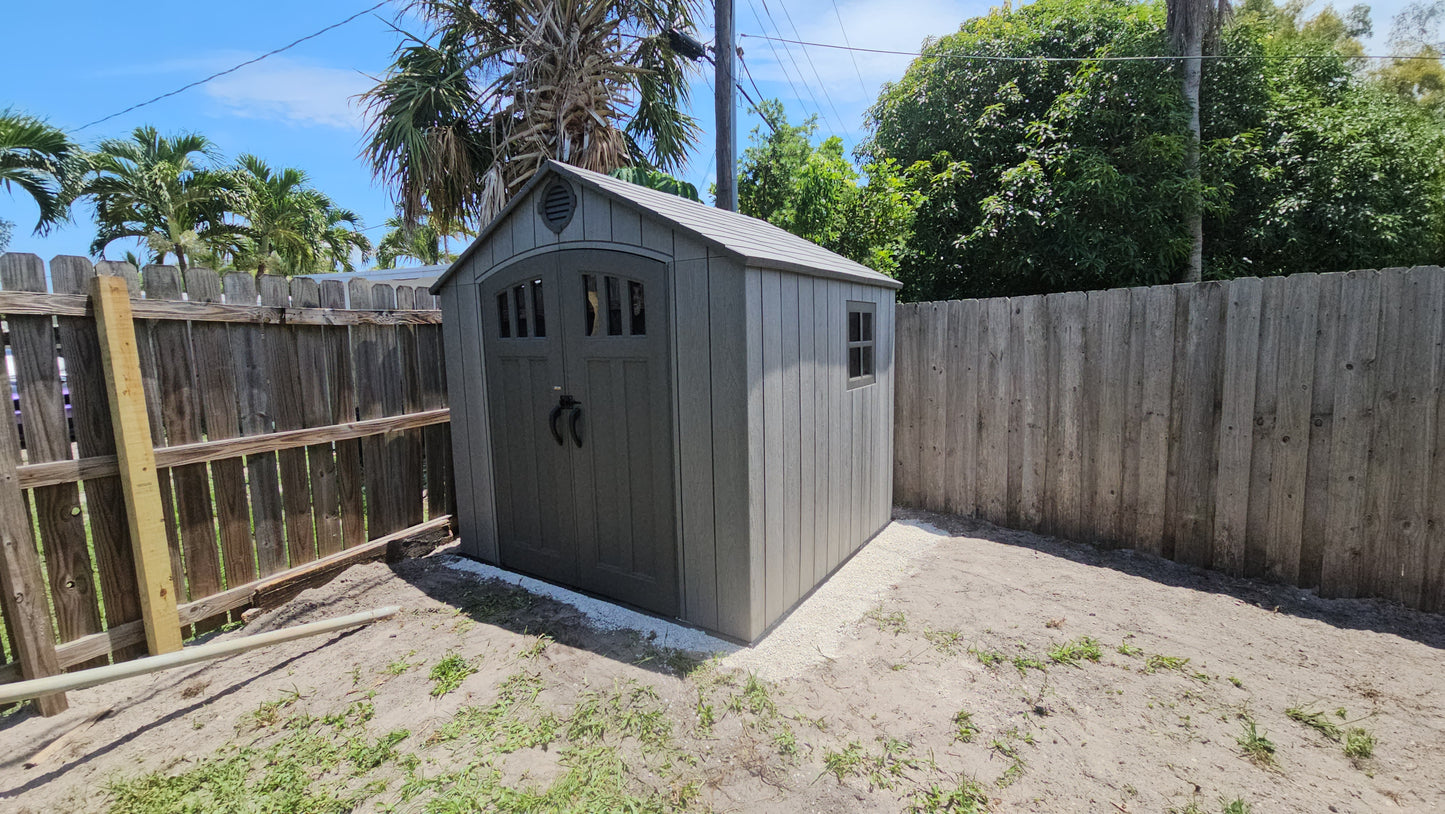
(804, 637)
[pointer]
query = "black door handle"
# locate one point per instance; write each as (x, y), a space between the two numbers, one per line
(552, 424)
(576, 432)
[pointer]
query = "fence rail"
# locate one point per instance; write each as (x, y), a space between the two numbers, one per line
(294, 428)
(1289, 428)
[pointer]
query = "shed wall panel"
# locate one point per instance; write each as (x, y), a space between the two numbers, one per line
(692, 365)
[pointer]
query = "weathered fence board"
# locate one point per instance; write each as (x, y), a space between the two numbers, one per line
(253, 438)
(1288, 428)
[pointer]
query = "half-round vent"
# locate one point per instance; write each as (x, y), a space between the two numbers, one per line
(557, 205)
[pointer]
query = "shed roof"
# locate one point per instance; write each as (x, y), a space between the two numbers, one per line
(756, 242)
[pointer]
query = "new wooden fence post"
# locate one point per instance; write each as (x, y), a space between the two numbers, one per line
(138, 477)
(23, 591)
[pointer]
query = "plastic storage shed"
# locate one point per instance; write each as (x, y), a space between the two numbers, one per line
(666, 404)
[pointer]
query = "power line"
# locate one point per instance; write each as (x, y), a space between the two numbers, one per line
(851, 54)
(1145, 58)
(756, 108)
(821, 85)
(791, 58)
(232, 69)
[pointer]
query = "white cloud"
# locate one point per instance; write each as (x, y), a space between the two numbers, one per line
(288, 90)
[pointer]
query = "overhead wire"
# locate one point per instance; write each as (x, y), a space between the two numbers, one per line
(837, 117)
(817, 107)
(233, 68)
(1140, 58)
(851, 54)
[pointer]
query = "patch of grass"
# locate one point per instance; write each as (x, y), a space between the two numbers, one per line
(1025, 663)
(947, 642)
(786, 742)
(449, 673)
(1359, 743)
(988, 658)
(963, 726)
(963, 797)
(366, 757)
(1235, 806)
(399, 666)
(1317, 721)
(706, 717)
(1072, 652)
(1255, 745)
(1236, 682)
(495, 602)
(895, 622)
(846, 762)
(754, 697)
(1159, 662)
(1126, 649)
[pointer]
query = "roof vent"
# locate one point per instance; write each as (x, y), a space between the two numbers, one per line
(557, 205)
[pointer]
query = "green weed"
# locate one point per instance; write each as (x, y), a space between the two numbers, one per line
(947, 642)
(964, 797)
(895, 622)
(1256, 746)
(988, 658)
(449, 673)
(1317, 721)
(1072, 652)
(1359, 743)
(963, 726)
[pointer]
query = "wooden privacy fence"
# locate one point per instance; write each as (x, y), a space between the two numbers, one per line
(275, 428)
(1288, 428)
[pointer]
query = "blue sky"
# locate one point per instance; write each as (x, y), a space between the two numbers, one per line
(296, 109)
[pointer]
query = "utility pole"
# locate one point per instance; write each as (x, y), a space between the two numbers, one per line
(725, 51)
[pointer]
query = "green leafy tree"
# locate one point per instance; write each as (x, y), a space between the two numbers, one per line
(160, 190)
(814, 192)
(38, 159)
(1420, 75)
(1076, 173)
(466, 115)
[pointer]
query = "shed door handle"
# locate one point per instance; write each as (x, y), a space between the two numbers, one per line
(552, 424)
(576, 429)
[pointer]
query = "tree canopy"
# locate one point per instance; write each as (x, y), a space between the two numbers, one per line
(1069, 175)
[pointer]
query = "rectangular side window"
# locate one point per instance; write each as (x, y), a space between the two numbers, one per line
(860, 341)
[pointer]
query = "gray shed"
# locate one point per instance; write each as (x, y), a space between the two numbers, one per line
(659, 402)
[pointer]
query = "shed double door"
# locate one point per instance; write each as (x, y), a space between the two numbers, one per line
(579, 397)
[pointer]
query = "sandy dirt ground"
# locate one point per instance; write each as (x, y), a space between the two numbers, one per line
(985, 670)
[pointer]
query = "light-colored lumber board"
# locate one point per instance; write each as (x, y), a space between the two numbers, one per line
(1064, 462)
(960, 459)
(1030, 354)
(1109, 363)
(191, 655)
(58, 515)
(1236, 423)
(1343, 567)
(1155, 422)
(91, 424)
(993, 409)
(933, 372)
(137, 464)
(22, 591)
(1134, 409)
(1322, 395)
(1294, 381)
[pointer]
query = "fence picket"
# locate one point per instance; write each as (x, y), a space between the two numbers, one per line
(46, 437)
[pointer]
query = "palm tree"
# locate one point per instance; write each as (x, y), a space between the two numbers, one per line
(465, 117)
(155, 188)
(40, 160)
(290, 226)
(422, 242)
(1190, 24)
